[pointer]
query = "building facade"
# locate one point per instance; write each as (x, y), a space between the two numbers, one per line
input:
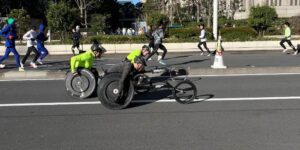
(284, 8)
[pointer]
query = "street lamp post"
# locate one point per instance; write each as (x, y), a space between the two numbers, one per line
(215, 19)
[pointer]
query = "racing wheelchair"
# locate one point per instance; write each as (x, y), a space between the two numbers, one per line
(183, 90)
(86, 82)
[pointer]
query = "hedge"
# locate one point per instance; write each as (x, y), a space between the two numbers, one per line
(228, 34)
(238, 34)
(180, 35)
(119, 39)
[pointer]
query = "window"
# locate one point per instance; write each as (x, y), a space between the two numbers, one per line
(267, 2)
(296, 2)
(291, 3)
(271, 2)
(279, 2)
(275, 2)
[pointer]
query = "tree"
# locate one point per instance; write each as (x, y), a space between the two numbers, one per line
(83, 6)
(155, 19)
(261, 17)
(61, 18)
(35, 8)
(109, 8)
(98, 23)
(22, 20)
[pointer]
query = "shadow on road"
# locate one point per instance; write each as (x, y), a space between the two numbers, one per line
(178, 57)
(188, 62)
(203, 97)
(151, 97)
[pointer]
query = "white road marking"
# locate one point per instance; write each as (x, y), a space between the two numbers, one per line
(50, 79)
(235, 75)
(151, 101)
(110, 64)
(224, 75)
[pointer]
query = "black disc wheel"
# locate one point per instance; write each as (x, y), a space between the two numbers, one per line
(141, 84)
(108, 92)
(80, 85)
(185, 92)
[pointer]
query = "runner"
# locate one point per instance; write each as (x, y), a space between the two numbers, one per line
(287, 38)
(10, 34)
(30, 37)
(151, 39)
(158, 35)
(41, 38)
(202, 40)
(76, 36)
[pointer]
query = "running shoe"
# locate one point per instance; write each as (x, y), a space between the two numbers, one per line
(162, 62)
(2, 66)
(295, 53)
(33, 65)
(22, 65)
(21, 69)
(159, 58)
(39, 61)
(284, 50)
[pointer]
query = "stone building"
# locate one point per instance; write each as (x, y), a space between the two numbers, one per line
(284, 8)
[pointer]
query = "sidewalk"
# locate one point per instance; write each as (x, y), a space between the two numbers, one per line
(172, 47)
(249, 62)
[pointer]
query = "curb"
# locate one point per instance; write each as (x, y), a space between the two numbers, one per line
(47, 75)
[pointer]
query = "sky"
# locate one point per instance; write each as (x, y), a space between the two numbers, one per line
(135, 1)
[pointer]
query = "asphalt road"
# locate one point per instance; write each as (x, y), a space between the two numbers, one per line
(192, 60)
(234, 112)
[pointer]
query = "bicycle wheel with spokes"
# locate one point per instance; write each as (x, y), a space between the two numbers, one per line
(185, 92)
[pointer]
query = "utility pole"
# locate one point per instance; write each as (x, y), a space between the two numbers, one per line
(215, 19)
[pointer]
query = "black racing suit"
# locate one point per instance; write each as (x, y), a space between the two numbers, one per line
(127, 70)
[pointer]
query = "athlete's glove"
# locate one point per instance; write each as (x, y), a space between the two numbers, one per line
(77, 72)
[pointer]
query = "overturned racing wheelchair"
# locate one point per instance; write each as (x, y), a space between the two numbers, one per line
(85, 83)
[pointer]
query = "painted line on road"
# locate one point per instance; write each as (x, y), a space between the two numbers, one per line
(152, 101)
(50, 79)
(234, 75)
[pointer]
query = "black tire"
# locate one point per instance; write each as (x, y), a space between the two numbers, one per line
(81, 85)
(144, 86)
(185, 92)
(108, 92)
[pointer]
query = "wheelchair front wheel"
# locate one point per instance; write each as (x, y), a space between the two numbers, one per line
(185, 92)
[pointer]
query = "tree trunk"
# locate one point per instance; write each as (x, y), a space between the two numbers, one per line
(85, 18)
(209, 17)
(198, 11)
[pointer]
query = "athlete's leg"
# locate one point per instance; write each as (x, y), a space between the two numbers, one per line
(17, 56)
(5, 56)
(164, 49)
